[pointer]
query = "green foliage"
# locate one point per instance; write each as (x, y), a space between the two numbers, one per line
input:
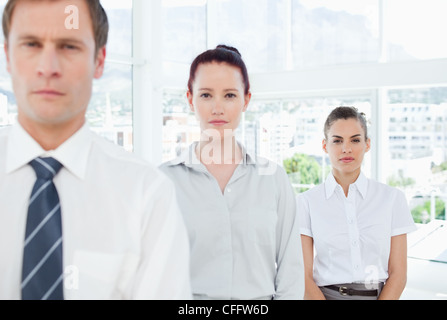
(422, 212)
(441, 167)
(400, 181)
(303, 169)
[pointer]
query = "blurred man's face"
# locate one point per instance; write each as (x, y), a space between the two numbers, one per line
(52, 66)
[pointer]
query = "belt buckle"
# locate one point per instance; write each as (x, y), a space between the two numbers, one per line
(343, 291)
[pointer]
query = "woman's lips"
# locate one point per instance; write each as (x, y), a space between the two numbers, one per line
(347, 160)
(218, 122)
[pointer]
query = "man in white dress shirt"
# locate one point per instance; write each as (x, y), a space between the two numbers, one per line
(123, 236)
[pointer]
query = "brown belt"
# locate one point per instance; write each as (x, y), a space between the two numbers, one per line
(345, 291)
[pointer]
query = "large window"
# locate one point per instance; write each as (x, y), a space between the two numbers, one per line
(415, 30)
(305, 57)
(416, 151)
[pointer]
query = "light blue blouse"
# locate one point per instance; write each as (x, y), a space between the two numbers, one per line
(245, 242)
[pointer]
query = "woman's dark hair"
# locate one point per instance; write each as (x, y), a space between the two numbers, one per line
(345, 113)
(222, 53)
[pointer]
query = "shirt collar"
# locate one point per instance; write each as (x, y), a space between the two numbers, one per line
(73, 153)
(361, 184)
(189, 158)
(329, 185)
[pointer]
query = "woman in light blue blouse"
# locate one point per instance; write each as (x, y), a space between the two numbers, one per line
(239, 208)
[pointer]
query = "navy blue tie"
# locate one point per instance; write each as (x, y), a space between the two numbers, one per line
(42, 271)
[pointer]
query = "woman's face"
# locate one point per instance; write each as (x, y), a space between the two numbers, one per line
(218, 98)
(346, 146)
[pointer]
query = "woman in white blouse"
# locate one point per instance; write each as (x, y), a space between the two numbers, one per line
(357, 226)
(239, 209)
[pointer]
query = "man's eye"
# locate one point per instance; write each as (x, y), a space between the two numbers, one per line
(69, 47)
(31, 44)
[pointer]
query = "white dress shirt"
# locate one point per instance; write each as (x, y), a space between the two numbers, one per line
(245, 242)
(123, 235)
(352, 235)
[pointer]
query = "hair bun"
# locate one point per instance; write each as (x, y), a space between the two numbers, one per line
(225, 47)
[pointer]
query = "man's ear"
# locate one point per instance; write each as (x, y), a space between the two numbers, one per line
(5, 48)
(100, 63)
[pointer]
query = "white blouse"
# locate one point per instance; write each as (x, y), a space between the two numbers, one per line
(352, 235)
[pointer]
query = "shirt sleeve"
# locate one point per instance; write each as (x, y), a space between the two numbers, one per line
(303, 214)
(402, 221)
(290, 268)
(163, 271)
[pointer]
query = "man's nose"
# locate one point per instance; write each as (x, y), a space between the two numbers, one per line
(49, 64)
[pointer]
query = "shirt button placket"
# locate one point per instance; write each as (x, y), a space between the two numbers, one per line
(354, 236)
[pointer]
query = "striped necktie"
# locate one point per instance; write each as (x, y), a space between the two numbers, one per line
(42, 275)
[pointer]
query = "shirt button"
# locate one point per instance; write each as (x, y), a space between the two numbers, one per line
(354, 243)
(229, 190)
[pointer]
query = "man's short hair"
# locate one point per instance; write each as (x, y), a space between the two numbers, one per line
(97, 14)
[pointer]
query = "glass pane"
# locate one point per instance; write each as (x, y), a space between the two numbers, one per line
(180, 127)
(120, 23)
(416, 156)
(415, 29)
(257, 28)
(290, 132)
(110, 109)
(327, 32)
(8, 108)
(2, 6)
(184, 29)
